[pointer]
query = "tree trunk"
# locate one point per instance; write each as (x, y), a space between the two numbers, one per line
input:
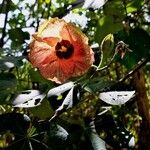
(143, 109)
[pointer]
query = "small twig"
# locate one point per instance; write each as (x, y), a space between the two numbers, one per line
(125, 8)
(105, 110)
(37, 18)
(140, 65)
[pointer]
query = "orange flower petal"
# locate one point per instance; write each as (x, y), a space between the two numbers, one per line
(40, 54)
(60, 51)
(53, 72)
(52, 41)
(67, 68)
(72, 33)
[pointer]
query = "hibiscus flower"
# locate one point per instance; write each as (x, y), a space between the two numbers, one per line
(60, 51)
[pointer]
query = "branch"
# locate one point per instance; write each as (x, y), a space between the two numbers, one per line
(5, 23)
(2, 6)
(146, 23)
(140, 65)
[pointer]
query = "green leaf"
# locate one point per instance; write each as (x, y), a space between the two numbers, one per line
(3, 95)
(97, 142)
(47, 1)
(98, 84)
(107, 52)
(14, 122)
(7, 80)
(8, 5)
(107, 24)
(138, 41)
(9, 62)
(114, 14)
(43, 111)
(18, 36)
(31, 131)
(116, 97)
(8, 83)
(114, 8)
(111, 21)
(36, 76)
(134, 5)
(18, 20)
(58, 134)
(66, 104)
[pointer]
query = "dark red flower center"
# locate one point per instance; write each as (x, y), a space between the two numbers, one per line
(64, 49)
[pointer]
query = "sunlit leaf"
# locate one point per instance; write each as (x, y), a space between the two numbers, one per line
(97, 142)
(67, 103)
(58, 134)
(35, 101)
(106, 25)
(107, 51)
(133, 6)
(25, 96)
(111, 21)
(95, 4)
(57, 101)
(60, 89)
(131, 142)
(47, 1)
(116, 98)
